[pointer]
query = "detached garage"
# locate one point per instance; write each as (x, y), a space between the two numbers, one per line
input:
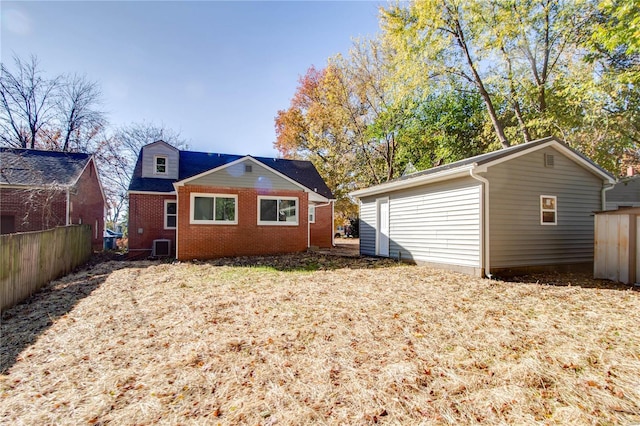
(527, 206)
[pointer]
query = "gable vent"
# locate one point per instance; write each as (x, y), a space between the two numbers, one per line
(548, 160)
(161, 248)
(248, 168)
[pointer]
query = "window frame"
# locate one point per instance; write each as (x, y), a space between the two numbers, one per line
(192, 207)
(312, 213)
(278, 199)
(544, 210)
(155, 165)
(166, 213)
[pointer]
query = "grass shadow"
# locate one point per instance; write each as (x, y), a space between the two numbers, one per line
(583, 279)
(304, 262)
(21, 325)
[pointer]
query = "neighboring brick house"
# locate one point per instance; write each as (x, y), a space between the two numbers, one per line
(197, 205)
(44, 189)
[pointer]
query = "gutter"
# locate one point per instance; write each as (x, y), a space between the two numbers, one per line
(484, 223)
(409, 183)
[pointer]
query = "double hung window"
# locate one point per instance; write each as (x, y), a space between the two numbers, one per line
(548, 210)
(170, 214)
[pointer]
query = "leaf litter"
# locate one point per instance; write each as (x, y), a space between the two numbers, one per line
(317, 339)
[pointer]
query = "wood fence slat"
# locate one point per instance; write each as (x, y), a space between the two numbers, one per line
(30, 260)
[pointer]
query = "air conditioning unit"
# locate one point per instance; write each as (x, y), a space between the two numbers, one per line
(161, 248)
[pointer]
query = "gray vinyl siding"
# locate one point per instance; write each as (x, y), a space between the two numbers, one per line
(368, 226)
(235, 176)
(437, 223)
(517, 238)
(625, 193)
(150, 152)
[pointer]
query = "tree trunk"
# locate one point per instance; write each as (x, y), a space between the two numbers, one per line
(459, 34)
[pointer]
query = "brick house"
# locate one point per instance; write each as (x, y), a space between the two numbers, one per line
(196, 205)
(44, 189)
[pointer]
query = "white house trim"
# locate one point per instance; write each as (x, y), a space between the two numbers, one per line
(417, 181)
(152, 192)
(314, 196)
(465, 169)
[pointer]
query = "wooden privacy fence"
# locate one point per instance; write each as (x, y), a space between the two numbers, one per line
(30, 260)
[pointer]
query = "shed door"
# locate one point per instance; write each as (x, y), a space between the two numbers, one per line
(382, 231)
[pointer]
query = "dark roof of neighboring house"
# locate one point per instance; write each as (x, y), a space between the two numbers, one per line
(194, 163)
(31, 167)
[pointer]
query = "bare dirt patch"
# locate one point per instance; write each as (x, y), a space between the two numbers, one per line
(320, 339)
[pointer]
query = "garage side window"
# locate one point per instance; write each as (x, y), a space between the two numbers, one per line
(548, 210)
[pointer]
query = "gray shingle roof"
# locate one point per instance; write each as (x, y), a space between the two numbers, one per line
(479, 160)
(32, 167)
(495, 155)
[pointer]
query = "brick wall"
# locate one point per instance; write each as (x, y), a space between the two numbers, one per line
(322, 230)
(32, 209)
(86, 205)
(146, 212)
(247, 237)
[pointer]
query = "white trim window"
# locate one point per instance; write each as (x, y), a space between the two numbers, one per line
(213, 209)
(281, 211)
(548, 210)
(170, 214)
(160, 163)
(312, 213)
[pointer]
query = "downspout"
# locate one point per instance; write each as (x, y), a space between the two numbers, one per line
(603, 200)
(333, 234)
(177, 218)
(68, 208)
(309, 224)
(484, 223)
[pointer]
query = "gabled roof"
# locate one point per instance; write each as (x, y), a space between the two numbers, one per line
(480, 163)
(31, 167)
(195, 163)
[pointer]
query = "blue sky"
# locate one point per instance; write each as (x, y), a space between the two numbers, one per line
(217, 72)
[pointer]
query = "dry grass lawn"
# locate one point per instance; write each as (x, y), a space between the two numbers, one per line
(315, 339)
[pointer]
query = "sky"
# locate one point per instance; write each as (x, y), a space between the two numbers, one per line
(216, 72)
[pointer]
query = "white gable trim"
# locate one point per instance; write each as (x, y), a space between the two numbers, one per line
(416, 181)
(560, 147)
(161, 142)
(464, 170)
(313, 195)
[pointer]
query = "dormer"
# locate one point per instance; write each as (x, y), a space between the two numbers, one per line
(160, 160)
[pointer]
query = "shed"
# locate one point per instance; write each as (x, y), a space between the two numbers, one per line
(529, 206)
(616, 245)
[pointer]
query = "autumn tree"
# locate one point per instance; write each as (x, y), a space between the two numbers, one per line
(315, 128)
(438, 39)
